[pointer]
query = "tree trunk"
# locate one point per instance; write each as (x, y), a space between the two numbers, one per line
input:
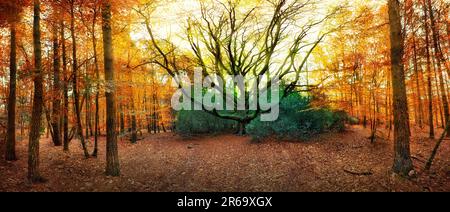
(154, 116)
(75, 79)
(429, 73)
(133, 126)
(65, 90)
(149, 121)
(122, 120)
(373, 123)
(10, 154)
(87, 113)
(402, 159)
(388, 105)
(241, 128)
(128, 118)
(56, 90)
(112, 155)
(97, 93)
(133, 120)
(33, 146)
(419, 121)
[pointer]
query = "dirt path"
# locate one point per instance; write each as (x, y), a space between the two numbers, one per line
(229, 163)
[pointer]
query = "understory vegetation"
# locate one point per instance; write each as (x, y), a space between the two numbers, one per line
(298, 120)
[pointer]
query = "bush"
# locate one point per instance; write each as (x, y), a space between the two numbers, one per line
(340, 118)
(353, 120)
(200, 122)
(298, 120)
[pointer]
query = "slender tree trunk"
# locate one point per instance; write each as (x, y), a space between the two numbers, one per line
(75, 81)
(389, 105)
(158, 114)
(416, 77)
(373, 124)
(429, 73)
(133, 117)
(87, 114)
(386, 102)
(149, 123)
(65, 90)
(155, 115)
(241, 128)
(122, 119)
(128, 118)
(33, 146)
(133, 124)
(21, 126)
(10, 154)
(402, 159)
(87, 97)
(56, 90)
(97, 93)
(112, 155)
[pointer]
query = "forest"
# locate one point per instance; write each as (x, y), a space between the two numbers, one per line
(224, 95)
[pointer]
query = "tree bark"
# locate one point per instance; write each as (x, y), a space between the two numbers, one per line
(33, 146)
(241, 128)
(133, 125)
(416, 77)
(402, 159)
(87, 115)
(112, 155)
(65, 91)
(97, 93)
(56, 90)
(429, 73)
(122, 120)
(75, 79)
(10, 154)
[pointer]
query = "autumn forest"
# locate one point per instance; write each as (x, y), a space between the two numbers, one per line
(224, 95)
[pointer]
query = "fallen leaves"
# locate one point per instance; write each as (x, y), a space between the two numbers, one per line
(166, 162)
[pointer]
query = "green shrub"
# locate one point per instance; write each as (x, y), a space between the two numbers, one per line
(200, 122)
(298, 121)
(340, 118)
(353, 120)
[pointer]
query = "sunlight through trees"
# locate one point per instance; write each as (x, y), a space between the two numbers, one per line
(75, 71)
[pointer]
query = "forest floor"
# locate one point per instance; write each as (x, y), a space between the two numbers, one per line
(167, 162)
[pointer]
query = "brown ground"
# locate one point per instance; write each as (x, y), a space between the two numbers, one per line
(229, 163)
